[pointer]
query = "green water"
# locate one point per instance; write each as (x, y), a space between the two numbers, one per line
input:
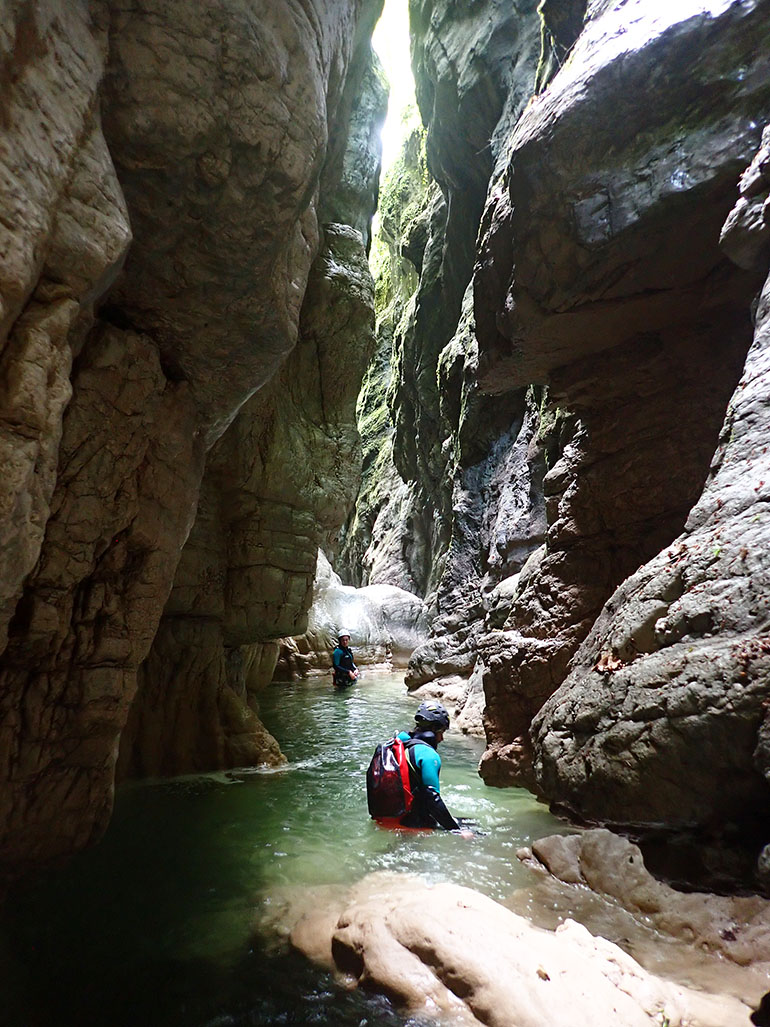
(170, 920)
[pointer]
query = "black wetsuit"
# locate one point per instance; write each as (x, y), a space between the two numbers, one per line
(343, 662)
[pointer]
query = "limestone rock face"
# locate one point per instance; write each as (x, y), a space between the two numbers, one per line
(449, 952)
(97, 498)
(105, 418)
(64, 235)
(558, 393)
(469, 63)
(278, 484)
(618, 296)
(663, 716)
(383, 540)
(385, 623)
(498, 521)
(611, 866)
(463, 510)
(213, 136)
(273, 483)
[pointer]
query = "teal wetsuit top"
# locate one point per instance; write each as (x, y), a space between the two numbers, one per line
(425, 763)
(426, 760)
(343, 661)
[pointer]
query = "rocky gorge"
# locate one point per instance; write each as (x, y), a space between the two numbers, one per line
(536, 438)
(583, 367)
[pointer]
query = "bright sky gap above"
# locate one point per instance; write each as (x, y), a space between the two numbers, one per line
(391, 41)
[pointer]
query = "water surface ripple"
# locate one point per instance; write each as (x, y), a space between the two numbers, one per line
(157, 925)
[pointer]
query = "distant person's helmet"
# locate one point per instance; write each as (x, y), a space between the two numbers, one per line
(433, 715)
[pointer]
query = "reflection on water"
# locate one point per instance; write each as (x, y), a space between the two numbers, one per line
(156, 924)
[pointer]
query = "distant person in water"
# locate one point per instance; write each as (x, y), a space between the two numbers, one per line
(424, 768)
(345, 670)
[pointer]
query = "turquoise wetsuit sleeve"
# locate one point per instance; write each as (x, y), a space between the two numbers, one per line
(336, 657)
(429, 762)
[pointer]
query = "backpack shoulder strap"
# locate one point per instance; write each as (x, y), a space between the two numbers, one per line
(408, 747)
(401, 753)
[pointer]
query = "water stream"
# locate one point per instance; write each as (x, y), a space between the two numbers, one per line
(171, 919)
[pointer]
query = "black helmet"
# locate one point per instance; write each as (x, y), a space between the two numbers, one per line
(431, 712)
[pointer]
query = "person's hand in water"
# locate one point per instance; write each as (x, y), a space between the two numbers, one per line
(468, 828)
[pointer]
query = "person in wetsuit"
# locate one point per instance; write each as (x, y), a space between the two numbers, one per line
(424, 768)
(345, 670)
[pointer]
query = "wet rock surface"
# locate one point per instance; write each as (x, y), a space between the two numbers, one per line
(214, 160)
(385, 624)
(462, 507)
(276, 486)
(384, 538)
(598, 276)
(446, 951)
(186, 315)
(670, 688)
(642, 418)
(736, 928)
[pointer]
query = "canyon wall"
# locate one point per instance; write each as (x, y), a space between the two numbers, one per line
(277, 486)
(558, 396)
(621, 299)
(443, 502)
(178, 207)
(186, 316)
(669, 693)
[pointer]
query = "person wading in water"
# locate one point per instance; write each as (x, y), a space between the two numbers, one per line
(424, 761)
(345, 670)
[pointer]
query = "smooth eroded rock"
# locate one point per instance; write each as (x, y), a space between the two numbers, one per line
(385, 623)
(445, 951)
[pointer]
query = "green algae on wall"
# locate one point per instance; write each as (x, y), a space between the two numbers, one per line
(395, 260)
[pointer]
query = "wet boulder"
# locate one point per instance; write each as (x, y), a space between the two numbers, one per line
(737, 928)
(446, 951)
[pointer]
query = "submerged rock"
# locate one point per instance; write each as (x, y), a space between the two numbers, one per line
(446, 951)
(738, 929)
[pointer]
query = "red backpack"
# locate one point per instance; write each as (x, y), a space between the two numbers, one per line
(388, 787)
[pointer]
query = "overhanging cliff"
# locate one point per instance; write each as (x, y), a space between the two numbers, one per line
(169, 168)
